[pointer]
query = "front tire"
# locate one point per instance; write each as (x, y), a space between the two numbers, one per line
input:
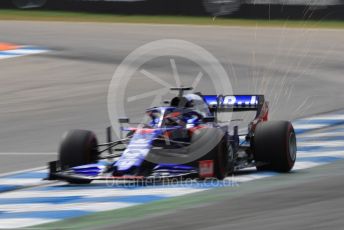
(221, 159)
(78, 147)
(218, 153)
(275, 146)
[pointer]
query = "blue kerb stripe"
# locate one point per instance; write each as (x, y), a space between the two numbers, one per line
(267, 173)
(324, 138)
(99, 186)
(63, 214)
(53, 200)
(327, 124)
(186, 185)
(134, 186)
(319, 122)
(71, 187)
(127, 199)
(4, 53)
(28, 175)
(6, 188)
(337, 129)
(320, 148)
(319, 159)
(76, 199)
(301, 131)
(32, 48)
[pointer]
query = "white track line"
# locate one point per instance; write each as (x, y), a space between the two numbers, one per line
(328, 117)
(309, 126)
(28, 154)
(321, 154)
(321, 144)
(23, 222)
(18, 52)
(20, 181)
(324, 134)
(85, 206)
(23, 171)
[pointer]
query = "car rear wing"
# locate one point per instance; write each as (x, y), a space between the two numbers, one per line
(237, 103)
(234, 102)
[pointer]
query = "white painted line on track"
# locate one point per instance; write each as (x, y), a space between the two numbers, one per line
(12, 223)
(309, 126)
(19, 181)
(306, 165)
(320, 154)
(85, 206)
(327, 117)
(25, 51)
(323, 134)
(7, 56)
(28, 154)
(23, 171)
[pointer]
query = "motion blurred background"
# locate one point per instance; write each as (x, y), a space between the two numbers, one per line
(256, 9)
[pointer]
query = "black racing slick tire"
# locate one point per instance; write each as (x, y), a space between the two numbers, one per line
(275, 146)
(78, 147)
(219, 151)
(221, 159)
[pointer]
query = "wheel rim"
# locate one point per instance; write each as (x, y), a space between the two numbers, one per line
(292, 146)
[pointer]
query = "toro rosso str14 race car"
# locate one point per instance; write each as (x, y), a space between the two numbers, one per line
(181, 140)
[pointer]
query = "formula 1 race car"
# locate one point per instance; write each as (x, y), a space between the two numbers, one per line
(181, 140)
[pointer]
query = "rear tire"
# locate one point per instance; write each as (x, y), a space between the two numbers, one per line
(275, 146)
(78, 147)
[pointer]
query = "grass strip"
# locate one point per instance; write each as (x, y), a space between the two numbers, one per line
(40, 15)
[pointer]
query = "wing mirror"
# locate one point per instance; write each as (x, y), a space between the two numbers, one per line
(208, 119)
(123, 120)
